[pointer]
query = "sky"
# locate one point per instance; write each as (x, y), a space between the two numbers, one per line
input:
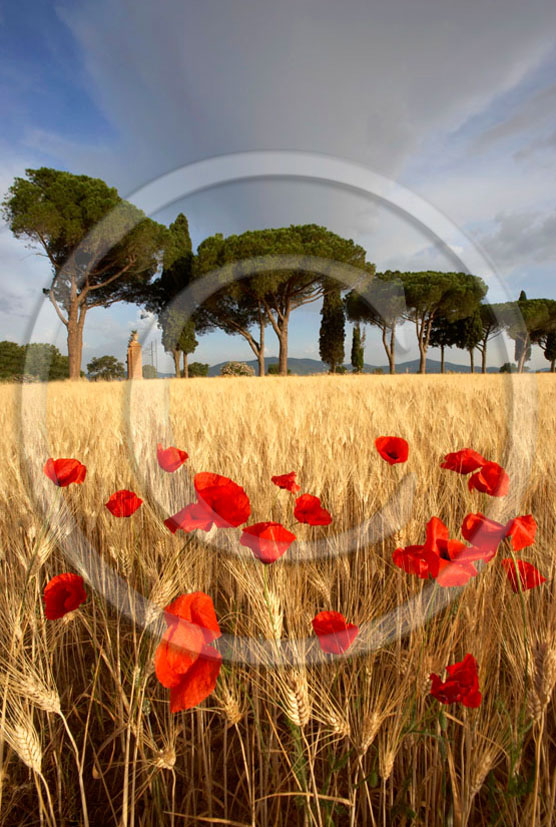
(452, 103)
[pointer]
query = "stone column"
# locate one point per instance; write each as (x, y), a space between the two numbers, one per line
(134, 359)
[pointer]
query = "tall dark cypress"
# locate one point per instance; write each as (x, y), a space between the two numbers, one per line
(332, 330)
(357, 352)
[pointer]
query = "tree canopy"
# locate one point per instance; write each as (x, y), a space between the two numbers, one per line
(381, 303)
(101, 249)
(430, 294)
(284, 276)
(105, 367)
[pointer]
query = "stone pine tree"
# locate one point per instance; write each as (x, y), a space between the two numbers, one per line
(178, 337)
(285, 276)
(332, 330)
(234, 308)
(357, 349)
(430, 294)
(165, 295)
(101, 249)
(105, 367)
(545, 334)
(525, 321)
(549, 349)
(381, 303)
(491, 323)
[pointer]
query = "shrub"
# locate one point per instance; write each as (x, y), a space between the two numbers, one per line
(274, 369)
(236, 369)
(198, 369)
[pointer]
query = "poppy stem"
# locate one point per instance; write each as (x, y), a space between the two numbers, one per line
(522, 711)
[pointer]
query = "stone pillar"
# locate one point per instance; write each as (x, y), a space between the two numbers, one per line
(134, 359)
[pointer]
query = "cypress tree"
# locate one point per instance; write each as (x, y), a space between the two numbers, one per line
(332, 330)
(357, 351)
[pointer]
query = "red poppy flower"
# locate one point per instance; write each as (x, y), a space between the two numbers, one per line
(334, 634)
(62, 472)
(453, 567)
(442, 558)
(528, 574)
(461, 685)
(227, 500)
(123, 503)
(185, 662)
(170, 459)
(63, 594)
(198, 682)
(268, 541)
(197, 608)
(491, 479)
(309, 510)
(416, 560)
(194, 515)
(286, 481)
(392, 448)
(464, 461)
(522, 530)
(486, 535)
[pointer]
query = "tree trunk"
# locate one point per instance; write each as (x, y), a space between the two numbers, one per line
(472, 360)
(442, 364)
(521, 363)
(283, 353)
(176, 355)
(484, 358)
(74, 355)
(552, 363)
(185, 366)
(422, 360)
(76, 321)
(260, 355)
(392, 354)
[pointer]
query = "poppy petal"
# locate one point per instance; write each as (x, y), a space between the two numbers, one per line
(454, 573)
(491, 479)
(193, 516)
(482, 532)
(309, 510)
(334, 633)
(286, 481)
(170, 459)
(198, 682)
(197, 608)
(227, 500)
(464, 461)
(268, 541)
(393, 449)
(529, 576)
(65, 471)
(179, 648)
(63, 594)
(123, 503)
(522, 530)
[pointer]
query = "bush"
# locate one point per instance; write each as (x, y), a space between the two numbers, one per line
(20, 377)
(507, 367)
(149, 372)
(198, 369)
(274, 369)
(236, 369)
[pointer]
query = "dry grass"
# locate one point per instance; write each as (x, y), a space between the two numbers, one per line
(86, 735)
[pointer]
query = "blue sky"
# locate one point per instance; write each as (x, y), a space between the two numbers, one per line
(455, 102)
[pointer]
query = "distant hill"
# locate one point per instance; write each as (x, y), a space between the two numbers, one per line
(308, 367)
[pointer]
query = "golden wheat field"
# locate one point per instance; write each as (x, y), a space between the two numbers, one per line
(289, 736)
